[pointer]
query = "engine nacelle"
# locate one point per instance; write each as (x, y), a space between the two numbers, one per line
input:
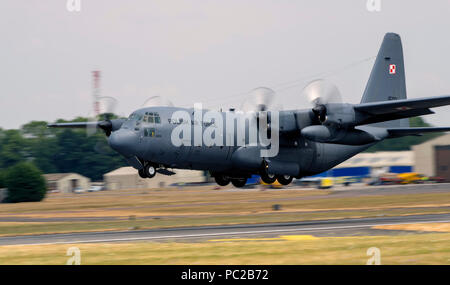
(326, 134)
(340, 115)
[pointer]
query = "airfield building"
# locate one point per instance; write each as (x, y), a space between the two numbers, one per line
(432, 157)
(66, 182)
(374, 164)
(128, 178)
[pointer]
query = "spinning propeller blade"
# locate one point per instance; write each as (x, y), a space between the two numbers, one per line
(321, 93)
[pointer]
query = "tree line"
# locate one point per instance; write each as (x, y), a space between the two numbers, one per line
(58, 150)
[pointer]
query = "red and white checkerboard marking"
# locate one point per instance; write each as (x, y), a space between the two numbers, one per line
(392, 68)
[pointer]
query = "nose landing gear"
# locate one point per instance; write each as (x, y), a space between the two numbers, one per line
(149, 170)
(142, 173)
(221, 180)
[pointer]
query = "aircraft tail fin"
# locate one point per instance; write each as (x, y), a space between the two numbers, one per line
(387, 79)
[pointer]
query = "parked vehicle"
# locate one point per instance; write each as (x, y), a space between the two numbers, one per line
(95, 188)
(78, 190)
(404, 178)
(325, 183)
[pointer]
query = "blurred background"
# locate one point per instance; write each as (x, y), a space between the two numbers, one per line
(59, 59)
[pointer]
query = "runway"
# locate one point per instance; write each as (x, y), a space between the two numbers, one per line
(214, 232)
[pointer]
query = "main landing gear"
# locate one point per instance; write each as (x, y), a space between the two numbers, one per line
(284, 179)
(239, 182)
(223, 180)
(268, 178)
(148, 171)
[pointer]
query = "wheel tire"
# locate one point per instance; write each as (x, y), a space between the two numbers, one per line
(284, 179)
(267, 178)
(150, 170)
(221, 180)
(238, 183)
(142, 173)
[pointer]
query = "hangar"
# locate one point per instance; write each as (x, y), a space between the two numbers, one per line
(66, 182)
(433, 157)
(372, 164)
(128, 178)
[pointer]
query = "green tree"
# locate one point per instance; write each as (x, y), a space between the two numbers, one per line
(90, 156)
(37, 129)
(2, 178)
(13, 148)
(69, 150)
(25, 183)
(405, 143)
(41, 145)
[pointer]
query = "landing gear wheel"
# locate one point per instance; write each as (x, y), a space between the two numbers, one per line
(142, 173)
(239, 182)
(150, 170)
(268, 178)
(265, 176)
(284, 179)
(221, 180)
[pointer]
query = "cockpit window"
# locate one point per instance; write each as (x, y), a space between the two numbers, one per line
(151, 117)
(135, 117)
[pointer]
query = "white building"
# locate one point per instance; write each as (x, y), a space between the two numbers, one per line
(373, 164)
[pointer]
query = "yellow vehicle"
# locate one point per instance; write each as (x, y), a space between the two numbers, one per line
(411, 177)
(325, 183)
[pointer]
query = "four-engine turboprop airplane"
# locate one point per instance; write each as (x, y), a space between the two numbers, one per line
(297, 143)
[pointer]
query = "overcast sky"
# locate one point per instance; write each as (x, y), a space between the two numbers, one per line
(207, 51)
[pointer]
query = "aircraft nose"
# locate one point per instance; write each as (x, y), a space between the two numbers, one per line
(123, 141)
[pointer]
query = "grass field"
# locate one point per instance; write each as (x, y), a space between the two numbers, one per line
(123, 210)
(403, 249)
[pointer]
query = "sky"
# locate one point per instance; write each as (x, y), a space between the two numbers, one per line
(213, 52)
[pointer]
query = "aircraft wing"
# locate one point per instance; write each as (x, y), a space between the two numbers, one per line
(394, 106)
(73, 125)
(399, 132)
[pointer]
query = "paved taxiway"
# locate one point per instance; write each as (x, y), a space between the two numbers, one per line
(211, 232)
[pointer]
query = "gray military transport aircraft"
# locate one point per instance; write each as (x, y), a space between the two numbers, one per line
(310, 141)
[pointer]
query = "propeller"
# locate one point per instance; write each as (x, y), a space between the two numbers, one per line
(157, 101)
(258, 100)
(321, 93)
(104, 109)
